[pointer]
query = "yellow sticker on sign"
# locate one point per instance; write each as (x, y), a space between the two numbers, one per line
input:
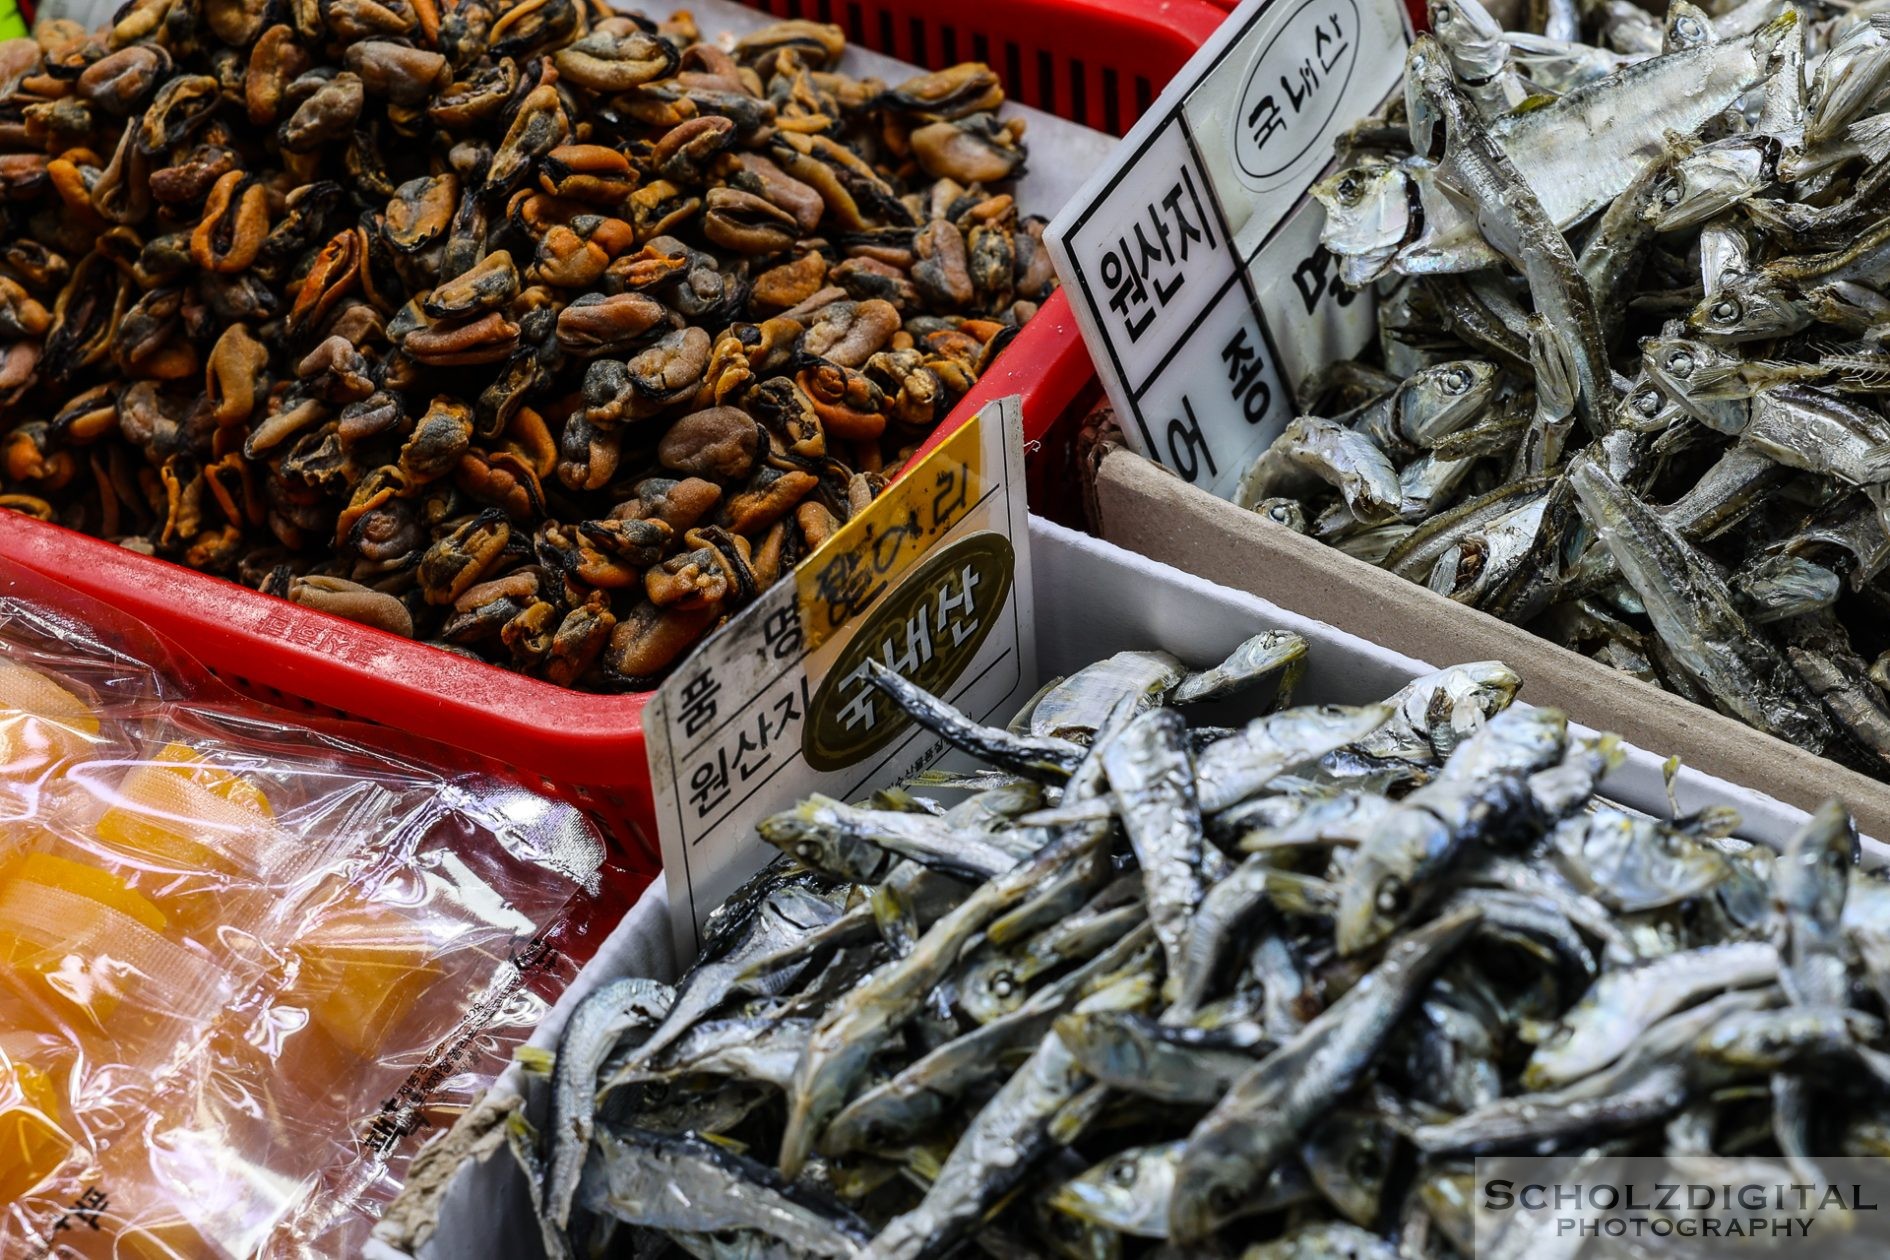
(867, 555)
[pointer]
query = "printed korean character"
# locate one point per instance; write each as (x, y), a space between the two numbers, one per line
(1246, 375)
(1302, 84)
(698, 703)
(277, 625)
(1329, 48)
(1181, 196)
(708, 783)
(862, 706)
(306, 633)
(1309, 277)
(88, 1206)
(1315, 275)
(916, 651)
(1151, 255)
(789, 708)
(1188, 446)
(781, 632)
(1128, 289)
(1264, 119)
(956, 604)
(752, 755)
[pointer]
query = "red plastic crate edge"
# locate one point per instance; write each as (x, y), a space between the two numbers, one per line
(1419, 11)
(245, 635)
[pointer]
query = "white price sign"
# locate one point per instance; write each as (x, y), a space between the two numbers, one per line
(1192, 259)
(932, 580)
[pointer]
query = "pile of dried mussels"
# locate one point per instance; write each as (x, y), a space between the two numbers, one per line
(533, 328)
(1278, 983)
(1631, 392)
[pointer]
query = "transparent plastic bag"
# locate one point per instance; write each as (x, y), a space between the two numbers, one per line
(245, 957)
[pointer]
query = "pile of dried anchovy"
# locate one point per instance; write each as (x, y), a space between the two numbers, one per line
(530, 327)
(1632, 382)
(1147, 981)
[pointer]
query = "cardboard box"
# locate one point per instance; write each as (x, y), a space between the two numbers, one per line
(1092, 599)
(1143, 507)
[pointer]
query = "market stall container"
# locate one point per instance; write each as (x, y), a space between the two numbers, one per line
(1147, 509)
(1092, 599)
(1090, 65)
(1242, 423)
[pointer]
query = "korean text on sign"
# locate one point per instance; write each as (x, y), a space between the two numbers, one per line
(1171, 254)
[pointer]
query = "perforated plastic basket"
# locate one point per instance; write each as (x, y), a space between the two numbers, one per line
(1415, 7)
(1098, 62)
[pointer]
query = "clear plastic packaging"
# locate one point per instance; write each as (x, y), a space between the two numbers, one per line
(245, 959)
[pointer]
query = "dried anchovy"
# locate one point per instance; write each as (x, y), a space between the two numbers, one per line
(534, 329)
(1283, 1017)
(1657, 269)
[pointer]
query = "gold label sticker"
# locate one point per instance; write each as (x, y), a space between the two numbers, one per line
(927, 631)
(867, 555)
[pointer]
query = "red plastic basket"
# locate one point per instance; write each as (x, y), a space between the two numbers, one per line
(1099, 62)
(1415, 8)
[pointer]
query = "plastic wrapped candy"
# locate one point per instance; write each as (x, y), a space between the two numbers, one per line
(244, 958)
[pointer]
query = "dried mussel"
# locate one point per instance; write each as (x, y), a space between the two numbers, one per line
(530, 328)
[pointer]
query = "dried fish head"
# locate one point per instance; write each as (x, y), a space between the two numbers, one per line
(1441, 399)
(1748, 306)
(1472, 38)
(1368, 217)
(1714, 179)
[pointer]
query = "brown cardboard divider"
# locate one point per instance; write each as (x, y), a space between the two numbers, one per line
(1147, 509)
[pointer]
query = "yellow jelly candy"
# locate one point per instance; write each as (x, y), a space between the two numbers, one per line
(87, 938)
(362, 971)
(103, 887)
(167, 813)
(198, 768)
(32, 1145)
(41, 723)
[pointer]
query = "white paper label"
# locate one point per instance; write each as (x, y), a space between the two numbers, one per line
(1193, 260)
(1300, 292)
(932, 580)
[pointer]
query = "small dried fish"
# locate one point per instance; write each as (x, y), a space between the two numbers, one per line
(1273, 652)
(1236, 1148)
(1622, 1005)
(1088, 1025)
(1669, 263)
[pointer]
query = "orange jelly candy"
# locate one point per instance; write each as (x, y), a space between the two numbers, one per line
(89, 882)
(196, 767)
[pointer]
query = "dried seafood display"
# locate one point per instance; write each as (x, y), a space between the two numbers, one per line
(1272, 986)
(1632, 351)
(539, 330)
